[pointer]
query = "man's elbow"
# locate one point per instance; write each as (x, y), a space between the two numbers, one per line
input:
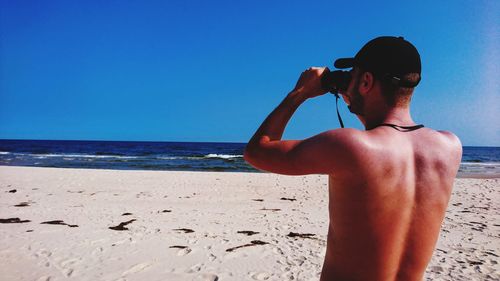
(250, 155)
(262, 160)
(256, 156)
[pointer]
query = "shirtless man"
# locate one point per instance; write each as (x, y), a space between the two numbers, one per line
(389, 186)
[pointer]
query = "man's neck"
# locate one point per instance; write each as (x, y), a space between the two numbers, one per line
(394, 115)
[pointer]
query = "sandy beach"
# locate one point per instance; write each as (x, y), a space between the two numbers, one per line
(83, 224)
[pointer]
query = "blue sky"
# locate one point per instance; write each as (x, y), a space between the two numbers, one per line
(213, 70)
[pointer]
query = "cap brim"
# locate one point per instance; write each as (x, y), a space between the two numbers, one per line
(344, 63)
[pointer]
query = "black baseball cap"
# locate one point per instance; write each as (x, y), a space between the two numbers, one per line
(387, 57)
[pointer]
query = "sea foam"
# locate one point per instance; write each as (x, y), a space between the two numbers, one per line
(223, 156)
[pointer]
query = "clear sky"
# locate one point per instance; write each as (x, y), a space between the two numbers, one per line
(213, 70)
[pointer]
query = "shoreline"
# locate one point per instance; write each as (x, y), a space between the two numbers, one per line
(459, 175)
(96, 224)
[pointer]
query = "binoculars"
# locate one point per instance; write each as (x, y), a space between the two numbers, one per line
(335, 81)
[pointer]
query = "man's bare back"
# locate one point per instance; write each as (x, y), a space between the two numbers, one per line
(388, 189)
(386, 214)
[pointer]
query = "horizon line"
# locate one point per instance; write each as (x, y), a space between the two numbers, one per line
(2, 139)
(94, 140)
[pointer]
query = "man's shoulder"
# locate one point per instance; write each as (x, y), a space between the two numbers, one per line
(450, 137)
(344, 134)
(438, 145)
(452, 143)
(446, 140)
(345, 139)
(348, 142)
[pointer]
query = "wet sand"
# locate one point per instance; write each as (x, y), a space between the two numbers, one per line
(59, 224)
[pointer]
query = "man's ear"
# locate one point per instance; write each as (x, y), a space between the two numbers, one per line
(366, 82)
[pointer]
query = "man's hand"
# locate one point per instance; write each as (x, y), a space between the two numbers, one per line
(309, 83)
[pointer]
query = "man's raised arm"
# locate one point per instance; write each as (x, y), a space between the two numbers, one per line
(266, 150)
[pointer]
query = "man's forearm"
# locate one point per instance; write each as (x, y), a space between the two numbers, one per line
(274, 125)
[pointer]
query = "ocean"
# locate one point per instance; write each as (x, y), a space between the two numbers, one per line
(175, 156)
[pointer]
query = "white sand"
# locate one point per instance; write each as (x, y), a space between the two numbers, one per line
(215, 206)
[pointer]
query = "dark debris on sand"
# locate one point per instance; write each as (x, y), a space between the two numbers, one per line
(273, 210)
(59, 222)
(258, 200)
(289, 199)
(178, 247)
(247, 232)
(441, 250)
(301, 235)
(252, 243)
(491, 253)
(126, 214)
(166, 211)
(13, 220)
(12, 191)
(22, 204)
(477, 226)
(185, 230)
(122, 225)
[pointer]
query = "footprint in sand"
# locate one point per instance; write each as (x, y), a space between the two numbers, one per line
(287, 275)
(436, 269)
(142, 194)
(278, 251)
(44, 257)
(206, 277)
(212, 257)
(97, 251)
(209, 277)
(194, 268)
(184, 250)
(68, 272)
(42, 253)
(136, 268)
(260, 276)
(68, 262)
